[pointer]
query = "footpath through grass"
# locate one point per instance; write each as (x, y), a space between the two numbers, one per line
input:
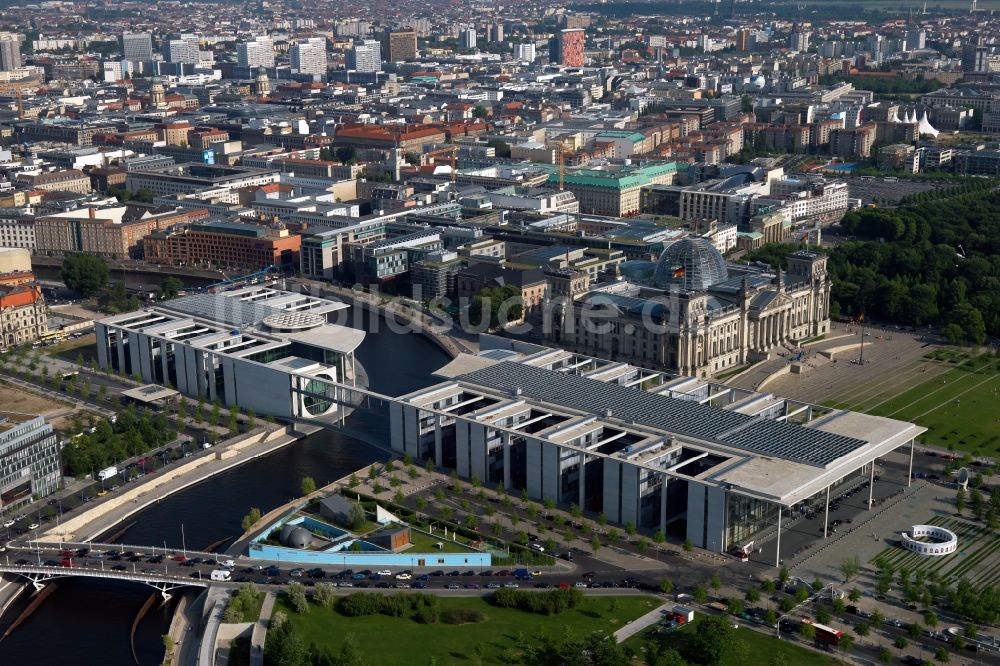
(401, 640)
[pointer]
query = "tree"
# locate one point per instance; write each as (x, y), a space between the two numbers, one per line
(429, 465)
(700, 594)
(735, 606)
(169, 644)
(854, 594)
(169, 288)
(659, 539)
(308, 486)
(715, 582)
(251, 519)
(839, 607)
(861, 628)
(942, 655)
(713, 640)
(783, 574)
(900, 643)
(807, 631)
(687, 545)
(931, 619)
(850, 567)
(666, 585)
(595, 544)
(297, 597)
(86, 274)
(752, 596)
(356, 516)
(846, 642)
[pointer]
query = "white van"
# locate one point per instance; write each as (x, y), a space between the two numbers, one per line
(228, 564)
(221, 574)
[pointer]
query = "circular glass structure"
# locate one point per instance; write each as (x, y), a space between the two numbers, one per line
(691, 263)
(317, 396)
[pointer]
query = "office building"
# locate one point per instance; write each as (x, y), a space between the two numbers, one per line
(10, 51)
(224, 245)
(258, 52)
(722, 467)
(798, 41)
(399, 45)
(467, 38)
(566, 48)
(309, 57)
(365, 56)
(743, 39)
(29, 460)
(114, 233)
(613, 191)
(253, 348)
(495, 32)
(190, 177)
(181, 50)
(137, 46)
(525, 52)
(17, 232)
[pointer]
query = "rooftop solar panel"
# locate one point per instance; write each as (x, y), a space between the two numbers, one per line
(673, 415)
(221, 308)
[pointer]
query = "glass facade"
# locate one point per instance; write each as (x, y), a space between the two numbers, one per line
(746, 517)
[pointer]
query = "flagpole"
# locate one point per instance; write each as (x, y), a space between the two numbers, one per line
(861, 360)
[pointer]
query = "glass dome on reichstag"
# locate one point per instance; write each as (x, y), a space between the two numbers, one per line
(691, 263)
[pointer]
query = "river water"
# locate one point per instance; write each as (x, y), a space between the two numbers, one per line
(88, 621)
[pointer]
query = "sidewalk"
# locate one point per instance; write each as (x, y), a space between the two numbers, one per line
(260, 630)
(641, 623)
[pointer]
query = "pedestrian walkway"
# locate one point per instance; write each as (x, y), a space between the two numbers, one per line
(641, 623)
(260, 630)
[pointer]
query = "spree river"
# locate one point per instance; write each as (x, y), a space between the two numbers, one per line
(88, 621)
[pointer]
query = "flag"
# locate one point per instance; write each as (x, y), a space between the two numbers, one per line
(679, 272)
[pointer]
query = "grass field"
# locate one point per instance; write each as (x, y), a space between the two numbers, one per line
(391, 640)
(762, 648)
(977, 557)
(958, 403)
(425, 543)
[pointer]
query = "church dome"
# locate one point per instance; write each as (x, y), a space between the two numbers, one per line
(691, 263)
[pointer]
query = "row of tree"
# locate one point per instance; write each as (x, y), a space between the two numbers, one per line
(929, 261)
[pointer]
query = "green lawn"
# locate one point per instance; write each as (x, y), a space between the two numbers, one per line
(425, 543)
(958, 407)
(391, 640)
(760, 647)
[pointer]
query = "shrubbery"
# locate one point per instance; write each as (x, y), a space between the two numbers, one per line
(552, 602)
(462, 616)
(360, 604)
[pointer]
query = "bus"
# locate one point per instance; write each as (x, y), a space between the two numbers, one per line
(825, 635)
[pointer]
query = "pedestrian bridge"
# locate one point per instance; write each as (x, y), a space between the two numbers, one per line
(38, 576)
